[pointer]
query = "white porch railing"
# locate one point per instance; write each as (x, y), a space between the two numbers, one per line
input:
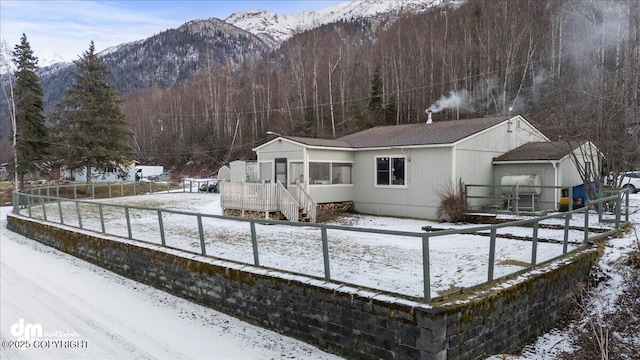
(287, 204)
(306, 202)
(249, 196)
(267, 197)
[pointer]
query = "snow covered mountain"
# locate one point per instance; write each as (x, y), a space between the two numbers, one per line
(274, 29)
(45, 57)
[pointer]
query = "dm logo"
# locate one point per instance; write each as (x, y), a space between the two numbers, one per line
(25, 332)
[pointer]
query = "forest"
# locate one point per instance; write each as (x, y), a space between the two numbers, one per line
(569, 67)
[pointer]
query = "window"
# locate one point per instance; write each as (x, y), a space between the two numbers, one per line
(329, 173)
(341, 173)
(391, 171)
(296, 171)
(319, 173)
(266, 171)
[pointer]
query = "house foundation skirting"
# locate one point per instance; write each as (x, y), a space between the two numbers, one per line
(352, 322)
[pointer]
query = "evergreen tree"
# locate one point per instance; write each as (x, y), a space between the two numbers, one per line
(91, 131)
(375, 98)
(31, 133)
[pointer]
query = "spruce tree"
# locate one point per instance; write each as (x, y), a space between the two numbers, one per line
(91, 130)
(31, 132)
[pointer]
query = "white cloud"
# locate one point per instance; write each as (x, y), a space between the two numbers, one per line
(67, 27)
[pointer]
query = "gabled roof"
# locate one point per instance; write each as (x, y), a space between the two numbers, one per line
(537, 151)
(436, 133)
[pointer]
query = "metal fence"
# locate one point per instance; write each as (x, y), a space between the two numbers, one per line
(333, 250)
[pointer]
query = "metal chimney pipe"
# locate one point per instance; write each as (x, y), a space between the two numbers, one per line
(429, 119)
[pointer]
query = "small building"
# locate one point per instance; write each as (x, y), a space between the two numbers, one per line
(558, 164)
(103, 175)
(224, 173)
(4, 173)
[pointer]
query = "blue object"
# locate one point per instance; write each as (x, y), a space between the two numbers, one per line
(580, 191)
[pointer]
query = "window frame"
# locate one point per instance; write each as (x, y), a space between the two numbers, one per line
(312, 182)
(390, 158)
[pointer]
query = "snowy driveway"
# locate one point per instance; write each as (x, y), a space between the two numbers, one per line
(106, 316)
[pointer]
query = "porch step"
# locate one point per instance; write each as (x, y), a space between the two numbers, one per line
(303, 217)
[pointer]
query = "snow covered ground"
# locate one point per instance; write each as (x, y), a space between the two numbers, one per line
(384, 262)
(106, 316)
(600, 301)
(109, 316)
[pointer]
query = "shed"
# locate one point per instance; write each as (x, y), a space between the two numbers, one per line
(558, 164)
(224, 173)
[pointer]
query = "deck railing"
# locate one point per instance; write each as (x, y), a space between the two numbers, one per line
(249, 196)
(264, 197)
(306, 202)
(287, 204)
(106, 218)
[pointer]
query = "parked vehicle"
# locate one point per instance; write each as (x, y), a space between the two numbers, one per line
(630, 180)
(212, 187)
(165, 176)
(144, 171)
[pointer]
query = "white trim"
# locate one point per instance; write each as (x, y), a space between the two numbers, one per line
(505, 162)
(375, 171)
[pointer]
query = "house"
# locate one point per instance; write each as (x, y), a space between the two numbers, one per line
(400, 170)
(102, 175)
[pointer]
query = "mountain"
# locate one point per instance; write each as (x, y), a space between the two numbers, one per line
(46, 57)
(274, 29)
(172, 56)
(165, 59)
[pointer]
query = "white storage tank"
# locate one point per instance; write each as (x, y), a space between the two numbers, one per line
(527, 184)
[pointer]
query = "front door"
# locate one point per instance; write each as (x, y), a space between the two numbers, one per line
(281, 170)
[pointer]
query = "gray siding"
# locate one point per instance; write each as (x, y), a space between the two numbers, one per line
(331, 193)
(281, 149)
(330, 155)
(475, 154)
(548, 198)
(428, 172)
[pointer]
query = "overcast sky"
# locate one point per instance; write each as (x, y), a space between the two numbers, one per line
(67, 27)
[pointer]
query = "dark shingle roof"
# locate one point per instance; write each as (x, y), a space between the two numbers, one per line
(536, 151)
(318, 142)
(437, 133)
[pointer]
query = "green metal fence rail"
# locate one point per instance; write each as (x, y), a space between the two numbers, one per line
(34, 198)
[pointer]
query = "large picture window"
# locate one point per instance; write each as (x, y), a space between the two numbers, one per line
(391, 171)
(324, 173)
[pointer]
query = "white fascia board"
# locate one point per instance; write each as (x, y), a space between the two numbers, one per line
(525, 162)
(403, 147)
(255, 149)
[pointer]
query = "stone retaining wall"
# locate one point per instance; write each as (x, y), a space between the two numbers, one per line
(351, 322)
